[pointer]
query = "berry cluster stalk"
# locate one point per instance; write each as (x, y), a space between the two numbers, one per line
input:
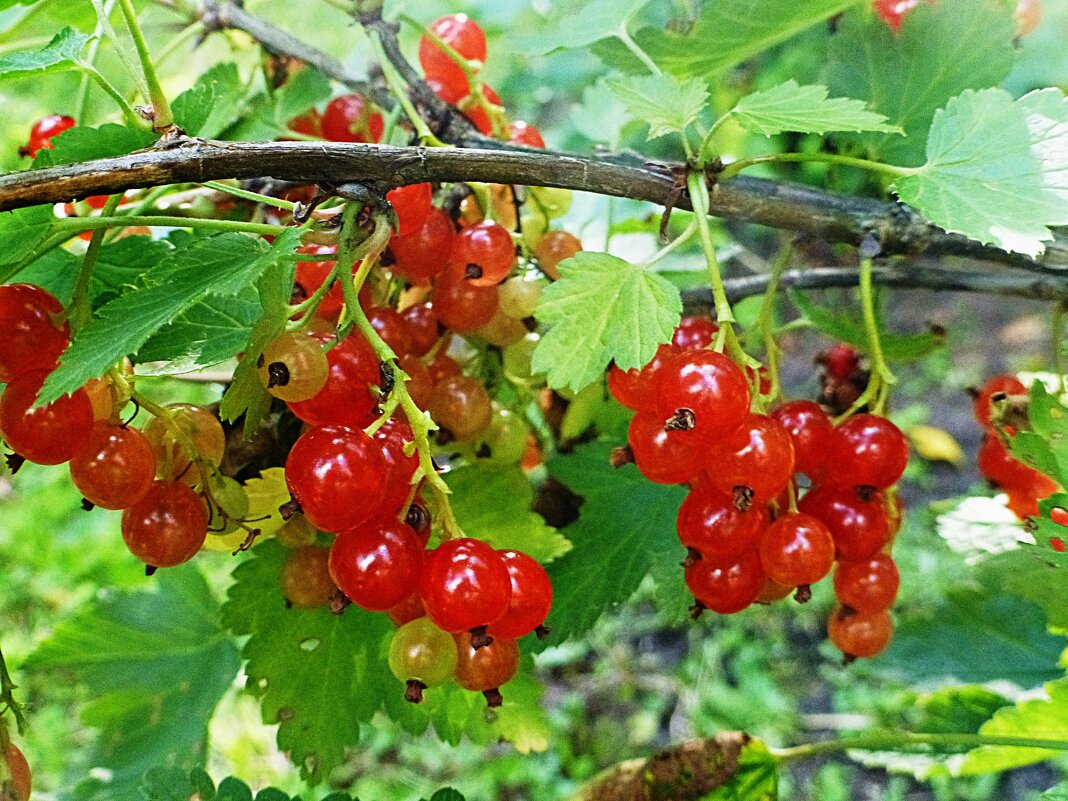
(420, 422)
(7, 697)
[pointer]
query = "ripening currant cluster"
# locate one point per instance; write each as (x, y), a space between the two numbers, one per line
(1028, 13)
(1023, 484)
(749, 539)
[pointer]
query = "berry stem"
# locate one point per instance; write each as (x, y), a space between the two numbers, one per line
(680, 240)
(162, 118)
(897, 741)
(244, 194)
(736, 167)
(70, 226)
(879, 368)
(7, 697)
(624, 36)
(726, 339)
(420, 422)
(766, 322)
(79, 311)
(132, 118)
(396, 87)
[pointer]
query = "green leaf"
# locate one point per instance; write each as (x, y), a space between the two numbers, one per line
(447, 794)
(600, 116)
(82, 143)
(844, 328)
(667, 104)
(22, 230)
(211, 331)
(975, 636)
(272, 114)
(59, 54)
(1058, 793)
(619, 537)
(306, 664)
(1020, 574)
(985, 175)
(909, 75)
(594, 20)
(121, 264)
(218, 265)
(155, 663)
(209, 108)
(757, 777)
(602, 309)
(1045, 718)
(805, 109)
(494, 505)
(958, 710)
(726, 33)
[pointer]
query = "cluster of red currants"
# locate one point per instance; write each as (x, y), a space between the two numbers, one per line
(748, 538)
(150, 474)
(1023, 484)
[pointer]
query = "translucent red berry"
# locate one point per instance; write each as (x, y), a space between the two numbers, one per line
(694, 333)
(894, 12)
(485, 252)
(392, 328)
(708, 387)
(350, 118)
(462, 306)
(810, 431)
(635, 388)
(796, 549)
(531, 599)
(486, 668)
(394, 435)
(52, 434)
(860, 635)
(42, 132)
(412, 205)
(337, 474)
(346, 397)
(523, 133)
(115, 468)
(377, 564)
(727, 589)
(868, 451)
(1007, 384)
(858, 523)
(867, 585)
(711, 523)
(167, 526)
(424, 329)
(32, 339)
(462, 406)
(465, 585)
(424, 253)
(20, 782)
(757, 456)
(466, 37)
(666, 457)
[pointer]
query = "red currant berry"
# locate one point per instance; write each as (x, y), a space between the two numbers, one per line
(465, 585)
(729, 589)
(665, 457)
(349, 118)
(894, 12)
(420, 383)
(858, 524)
(796, 549)
(392, 438)
(462, 406)
(424, 253)
(532, 597)
(635, 388)
(757, 456)
(392, 328)
(860, 635)
(486, 668)
(346, 397)
(1008, 384)
(485, 252)
(42, 132)
(840, 361)
(424, 329)
(412, 205)
(442, 367)
(310, 275)
(554, 247)
(868, 451)
(466, 37)
(868, 585)
(694, 333)
(523, 133)
(52, 434)
(167, 526)
(462, 306)
(337, 474)
(201, 427)
(32, 340)
(377, 564)
(115, 468)
(1028, 16)
(706, 385)
(407, 610)
(18, 786)
(306, 580)
(293, 367)
(773, 591)
(711, 524)
(310, 123)
(810, 430)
